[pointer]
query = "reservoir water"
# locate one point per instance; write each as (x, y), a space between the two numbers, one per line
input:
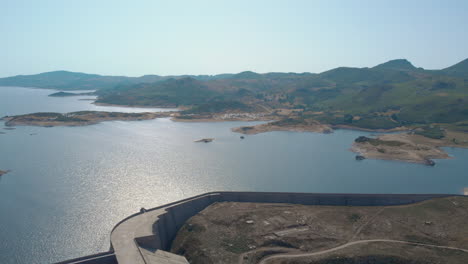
(69, 186)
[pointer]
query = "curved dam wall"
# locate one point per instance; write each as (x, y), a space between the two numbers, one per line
(174, 215)
(166, 220)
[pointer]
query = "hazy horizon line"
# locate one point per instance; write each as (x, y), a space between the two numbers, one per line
(222, 73)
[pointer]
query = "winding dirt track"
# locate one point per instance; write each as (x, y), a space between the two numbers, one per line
(351, 242)
(310, 254)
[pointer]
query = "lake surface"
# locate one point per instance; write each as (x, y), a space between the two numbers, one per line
(69, 186)
(18, 101)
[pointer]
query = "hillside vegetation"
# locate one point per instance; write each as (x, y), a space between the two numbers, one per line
(386, 96)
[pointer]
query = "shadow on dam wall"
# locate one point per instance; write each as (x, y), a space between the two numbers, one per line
(169, 218)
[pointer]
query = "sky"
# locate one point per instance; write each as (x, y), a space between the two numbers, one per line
(173, 37)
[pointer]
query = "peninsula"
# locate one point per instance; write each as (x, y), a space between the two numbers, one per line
(286, 125)
(81, 118)
(392, 96)
(417, 146)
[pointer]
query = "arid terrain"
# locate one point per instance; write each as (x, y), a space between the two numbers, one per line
(285, 125)
(407, 147)
(81, 118)
(433, 231)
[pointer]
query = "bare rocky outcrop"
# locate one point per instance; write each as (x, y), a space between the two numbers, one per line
(286, 125)
(400, 147)
(81, 118)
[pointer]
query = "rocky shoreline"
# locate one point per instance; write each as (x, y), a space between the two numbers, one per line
(304, 126)
(275, 126)
(223, 117)
(404, 147)
(81, 118)
(396, 129)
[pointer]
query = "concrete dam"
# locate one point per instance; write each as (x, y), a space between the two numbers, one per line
(146, 236)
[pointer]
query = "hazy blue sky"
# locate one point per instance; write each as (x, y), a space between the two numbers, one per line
(209, 37)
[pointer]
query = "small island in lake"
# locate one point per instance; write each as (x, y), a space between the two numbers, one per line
(205, 140)
(81, 118)
(3, 172)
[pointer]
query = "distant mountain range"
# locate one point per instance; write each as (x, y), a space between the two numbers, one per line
(65, 80)
(391, 94)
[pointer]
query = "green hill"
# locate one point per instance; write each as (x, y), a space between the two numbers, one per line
(459, 69)
(169, 93)
(388, 95)
(391, 94)
(400, 64)
(65, 80)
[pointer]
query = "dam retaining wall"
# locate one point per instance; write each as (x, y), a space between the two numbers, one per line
(169, 218)
(174, 216)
